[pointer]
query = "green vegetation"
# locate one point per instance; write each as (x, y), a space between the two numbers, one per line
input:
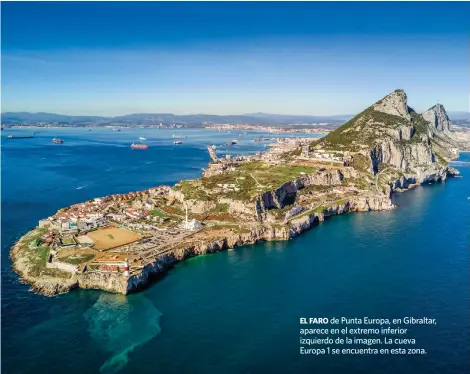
(157, 213)
(369, 127)
(110, 236)
(280, 213)
(37, 256)
(33, 236)
(360, 183)
(191, 189)
(320, 209)
(340, 135)
(76, 259)
(56, 273)
(67, 240)
(314, 189)
(440, 159)
(37, 259)
(361, 162)
(220, 208)
(420, 125)
(253, 178)
(286, 172)
(384, 119)
(172, 211)
(36, 242)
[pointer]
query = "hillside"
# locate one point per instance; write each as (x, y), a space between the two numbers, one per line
(273, 195)
(390, 133)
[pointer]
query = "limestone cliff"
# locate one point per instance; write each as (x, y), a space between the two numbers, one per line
(394, 104)
(438, 119)
(388, 147)
(320, 179)
(397, 141)
(283, 196)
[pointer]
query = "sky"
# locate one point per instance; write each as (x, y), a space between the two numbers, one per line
(115, 58)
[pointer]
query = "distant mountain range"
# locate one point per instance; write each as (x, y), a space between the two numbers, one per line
(11, 118)
(16, 118)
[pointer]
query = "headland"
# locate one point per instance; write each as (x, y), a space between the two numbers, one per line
(117, 243)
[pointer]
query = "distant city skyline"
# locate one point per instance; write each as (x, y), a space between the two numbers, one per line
(322, 59)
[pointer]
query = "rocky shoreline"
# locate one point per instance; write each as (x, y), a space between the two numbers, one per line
(47, 286)
(385, 149)
(116, 283)
(266, 233)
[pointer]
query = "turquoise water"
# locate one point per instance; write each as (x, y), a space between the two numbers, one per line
(236, 311)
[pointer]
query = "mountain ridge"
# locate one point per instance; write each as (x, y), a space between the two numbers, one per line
(261, 118)
(391, 133)
(272, 195)
(168, 118)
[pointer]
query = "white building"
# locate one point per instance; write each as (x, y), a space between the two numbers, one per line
(94, 216)
(133, 214)
(192, 225)
(117, 217)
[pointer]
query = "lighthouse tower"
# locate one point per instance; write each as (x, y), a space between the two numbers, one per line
(126, 268)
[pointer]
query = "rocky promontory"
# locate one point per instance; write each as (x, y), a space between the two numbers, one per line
(118, 243)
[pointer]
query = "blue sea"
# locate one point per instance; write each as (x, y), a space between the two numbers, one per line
(235, 311)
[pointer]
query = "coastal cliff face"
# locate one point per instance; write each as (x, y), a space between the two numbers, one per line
(387, 148)
(281, 197)
(320, 179)
(397, 140)
(110, 282)
(46, 283)
(402, 157)
(286, 194)
(117, 283)
(257, 234)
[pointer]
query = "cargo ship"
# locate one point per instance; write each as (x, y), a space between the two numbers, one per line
(177, 142)
(20, 136)
(57, 141)
(139, 146)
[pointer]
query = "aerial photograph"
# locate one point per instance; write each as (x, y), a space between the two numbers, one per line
(235, 187)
